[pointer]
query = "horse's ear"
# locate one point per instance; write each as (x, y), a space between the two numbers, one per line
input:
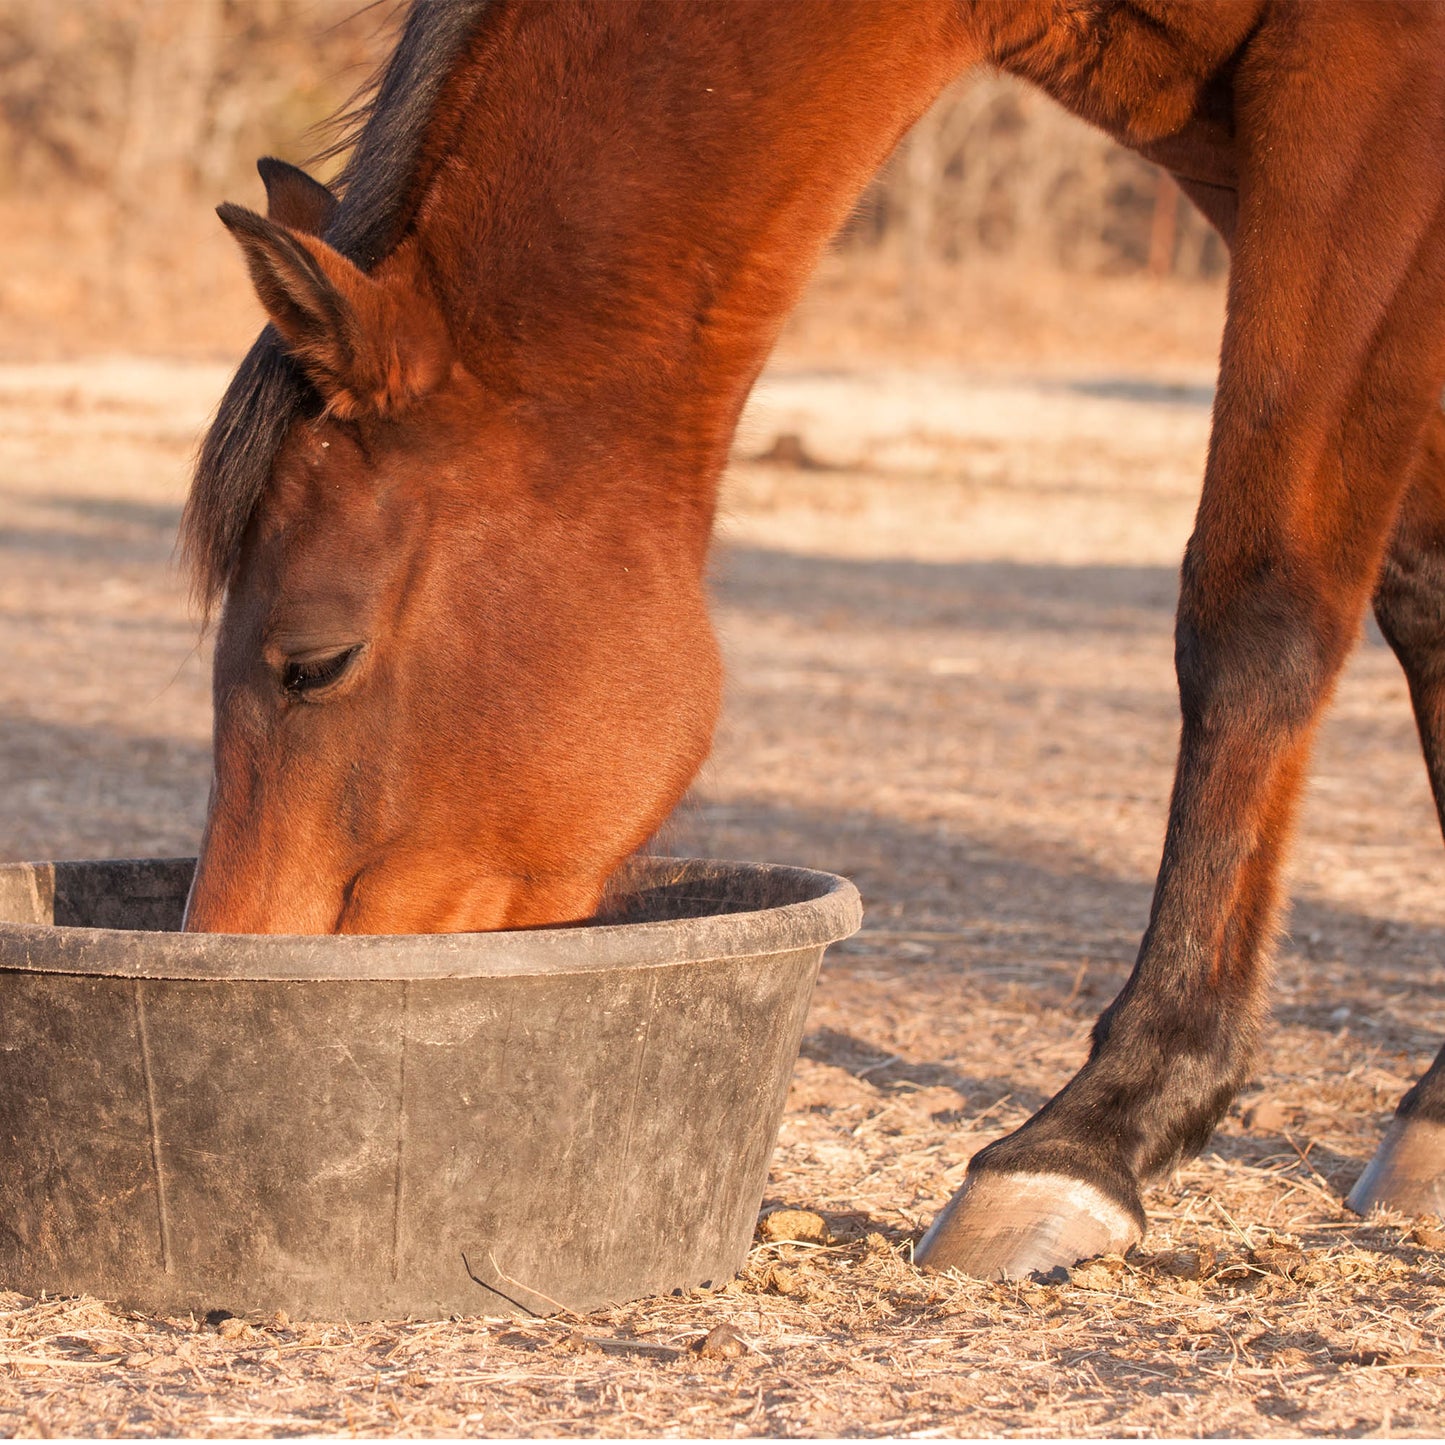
(293, 199)
(370, 344)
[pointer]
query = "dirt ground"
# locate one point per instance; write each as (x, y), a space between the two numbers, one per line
(949, 633)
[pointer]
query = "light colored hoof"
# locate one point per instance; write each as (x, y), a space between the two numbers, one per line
(1407, 1173)
(1009, 1226)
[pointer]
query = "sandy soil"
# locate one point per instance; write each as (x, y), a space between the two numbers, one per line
(950, 647)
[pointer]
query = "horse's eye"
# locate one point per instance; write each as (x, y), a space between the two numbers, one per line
(299, 677)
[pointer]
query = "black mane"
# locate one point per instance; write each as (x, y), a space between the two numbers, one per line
(378, 197)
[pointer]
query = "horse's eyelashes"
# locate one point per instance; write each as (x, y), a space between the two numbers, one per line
(313, 673)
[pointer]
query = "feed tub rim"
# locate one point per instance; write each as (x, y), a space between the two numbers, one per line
(831, 912)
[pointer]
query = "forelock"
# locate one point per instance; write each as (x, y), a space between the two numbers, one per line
(379, 188)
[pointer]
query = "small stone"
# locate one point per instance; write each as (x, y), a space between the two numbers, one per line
(801, 1226)
(1268, 1116)
(576, 1343)
(779, 1280)
(1282, 1259)
(789, 450)
(1364, 1358)
(722, 1342)
(1240, 1275)
(1428, 1236)
(1186, 1263)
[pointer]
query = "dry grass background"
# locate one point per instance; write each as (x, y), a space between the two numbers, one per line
(950, 653)
(949, 644)
(123, 122)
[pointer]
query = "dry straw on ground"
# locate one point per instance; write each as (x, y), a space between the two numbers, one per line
(1214, 1329)
(950, 647)
(949, 638)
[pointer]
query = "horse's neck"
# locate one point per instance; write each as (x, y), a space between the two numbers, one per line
(626, 198)
(634, 194)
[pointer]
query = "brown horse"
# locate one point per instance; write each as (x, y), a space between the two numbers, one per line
(458, 498)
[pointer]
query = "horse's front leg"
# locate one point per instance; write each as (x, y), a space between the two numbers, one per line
(1332, 360)
(1408, 1170)
(1257, 649)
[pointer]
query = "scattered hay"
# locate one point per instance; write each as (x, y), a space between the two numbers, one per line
(797, 1226)
(984, 740)
(1315, 1329)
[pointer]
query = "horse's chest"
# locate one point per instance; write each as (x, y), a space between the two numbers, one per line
(1140, 70)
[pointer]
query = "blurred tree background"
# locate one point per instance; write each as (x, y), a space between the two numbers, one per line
(122, 123)
(997, 169)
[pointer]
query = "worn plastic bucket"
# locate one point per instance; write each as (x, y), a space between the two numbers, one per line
(376, 1127)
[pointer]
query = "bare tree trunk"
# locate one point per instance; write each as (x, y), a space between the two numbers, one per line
(1164, 228)
(920, 186)
(172, 71)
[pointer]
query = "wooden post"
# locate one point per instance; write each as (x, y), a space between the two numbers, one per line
(1164, 227)
(920, 171)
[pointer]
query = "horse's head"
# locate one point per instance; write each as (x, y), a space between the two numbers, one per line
(458, 679)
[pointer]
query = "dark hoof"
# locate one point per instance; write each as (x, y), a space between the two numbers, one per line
(1407, 1173)
(1009, 1226)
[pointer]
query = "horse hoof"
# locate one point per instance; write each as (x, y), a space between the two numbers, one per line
(1407, 1172)
(1008, 1226)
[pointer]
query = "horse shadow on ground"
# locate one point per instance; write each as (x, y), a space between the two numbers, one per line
(949, 918)
(72, 790)
(104, 531)
(1017, 915)
(837, 593)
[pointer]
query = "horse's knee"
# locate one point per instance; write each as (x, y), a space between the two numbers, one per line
(1256, 654)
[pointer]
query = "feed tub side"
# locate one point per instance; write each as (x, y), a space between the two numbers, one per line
(460, 1124)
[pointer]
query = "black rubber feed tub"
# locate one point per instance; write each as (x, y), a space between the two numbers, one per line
(377, 1127)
